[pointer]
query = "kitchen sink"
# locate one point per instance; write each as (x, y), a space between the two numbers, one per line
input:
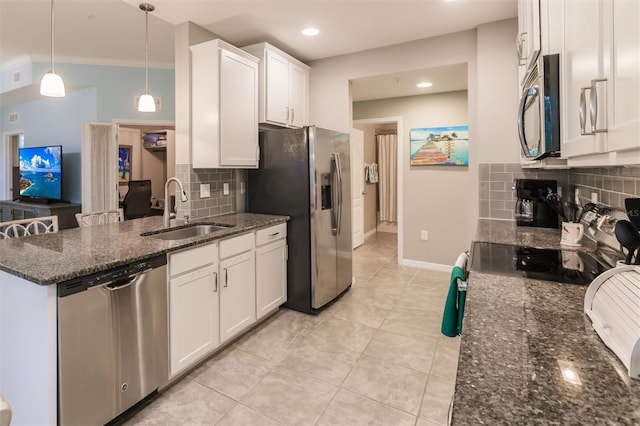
(195, 230)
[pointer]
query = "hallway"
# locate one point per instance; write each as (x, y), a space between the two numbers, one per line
(376, 356)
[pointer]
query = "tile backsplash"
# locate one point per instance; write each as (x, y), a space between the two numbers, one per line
(217, 203)
(611, 184)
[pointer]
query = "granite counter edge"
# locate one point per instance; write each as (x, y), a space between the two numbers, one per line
(191, 242)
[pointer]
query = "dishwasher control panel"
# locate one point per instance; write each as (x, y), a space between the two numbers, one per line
(116, 274)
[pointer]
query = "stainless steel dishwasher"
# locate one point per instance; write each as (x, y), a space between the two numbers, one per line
(112, 341)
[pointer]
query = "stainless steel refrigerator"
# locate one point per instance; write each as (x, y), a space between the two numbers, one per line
(305, 174)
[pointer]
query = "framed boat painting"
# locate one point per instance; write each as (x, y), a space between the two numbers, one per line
(440, 146)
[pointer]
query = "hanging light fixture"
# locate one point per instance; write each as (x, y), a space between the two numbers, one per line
(146, 103)
(51, 83)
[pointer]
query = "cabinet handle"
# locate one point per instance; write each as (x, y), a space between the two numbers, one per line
(594, 106)
(226, 277)
(274, 234)
(287, 111)
(583, 112)
(293, 114)
(520, 47)
(215, 288)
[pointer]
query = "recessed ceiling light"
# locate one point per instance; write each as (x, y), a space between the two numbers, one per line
(311, 31)
(424, 84)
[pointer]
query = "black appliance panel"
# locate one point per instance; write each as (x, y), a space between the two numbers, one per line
(564, 266)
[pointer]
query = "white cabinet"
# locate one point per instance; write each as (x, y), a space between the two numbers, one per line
(216, 292)
(283, 88)
(194, 329)
(237, 285)
(224, 102)
(601, 82)
(271, 269)
(528, 39)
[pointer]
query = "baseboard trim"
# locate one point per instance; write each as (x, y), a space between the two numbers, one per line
(426, 265)
(370, 233)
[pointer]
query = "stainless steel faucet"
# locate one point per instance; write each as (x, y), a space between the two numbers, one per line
(166, 216)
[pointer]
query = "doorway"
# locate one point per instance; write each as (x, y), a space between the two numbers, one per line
(374, 202)
(153, 163)
(10, 166)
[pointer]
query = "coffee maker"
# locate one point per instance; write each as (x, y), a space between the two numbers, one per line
(532, 208)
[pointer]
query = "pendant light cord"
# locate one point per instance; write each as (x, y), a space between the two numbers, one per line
(146, 53)
(52, 21)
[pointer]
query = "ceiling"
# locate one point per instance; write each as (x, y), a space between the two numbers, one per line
(111, 32)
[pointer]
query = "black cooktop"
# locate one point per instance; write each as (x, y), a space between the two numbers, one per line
(564, 266)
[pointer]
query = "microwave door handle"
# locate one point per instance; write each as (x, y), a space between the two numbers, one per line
(521, 110)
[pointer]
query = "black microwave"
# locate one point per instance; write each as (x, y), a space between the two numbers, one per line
(539, 110)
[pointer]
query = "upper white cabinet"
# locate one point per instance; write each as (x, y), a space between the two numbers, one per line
(600, 82)
(284, 87)
(224, 106)
(528, 39)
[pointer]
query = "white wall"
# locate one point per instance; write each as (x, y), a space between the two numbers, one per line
(498, 95)
(436, 198)
(490, 48)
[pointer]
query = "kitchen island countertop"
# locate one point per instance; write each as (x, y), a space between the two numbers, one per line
(71, 253)
(528, 352)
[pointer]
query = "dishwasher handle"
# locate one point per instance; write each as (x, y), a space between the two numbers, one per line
(121, 283)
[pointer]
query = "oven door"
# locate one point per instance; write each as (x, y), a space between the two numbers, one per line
(530, 117)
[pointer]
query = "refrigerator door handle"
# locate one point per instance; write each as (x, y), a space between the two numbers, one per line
(334, 198)
(339, 174)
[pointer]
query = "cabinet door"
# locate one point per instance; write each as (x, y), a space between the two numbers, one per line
(238, 110)
(277, 90)
(582, 63)
(193, 316)
(271, 277)
(237, 294)
(624, 80)
(528, 42)
(298, 85)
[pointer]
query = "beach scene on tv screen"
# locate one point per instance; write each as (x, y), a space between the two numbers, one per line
(40, 172)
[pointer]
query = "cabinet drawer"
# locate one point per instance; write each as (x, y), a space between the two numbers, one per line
(192, 258)
(272, 233)
(236, 245)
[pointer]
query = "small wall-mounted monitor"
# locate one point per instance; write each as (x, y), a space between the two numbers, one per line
(41, 173)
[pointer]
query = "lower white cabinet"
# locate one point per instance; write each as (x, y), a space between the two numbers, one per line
(218, 290)
(271, 271)
(237, 294)
(194, 329)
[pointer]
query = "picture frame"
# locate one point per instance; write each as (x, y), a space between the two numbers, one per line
(124, 164)
(439, 146)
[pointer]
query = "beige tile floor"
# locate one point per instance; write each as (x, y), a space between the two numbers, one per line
(376, 356)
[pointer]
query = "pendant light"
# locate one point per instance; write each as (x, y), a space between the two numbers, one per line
(51, 83)
(146, 103)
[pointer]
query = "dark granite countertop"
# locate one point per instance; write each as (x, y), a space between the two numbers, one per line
(529, 355)
(52, 258)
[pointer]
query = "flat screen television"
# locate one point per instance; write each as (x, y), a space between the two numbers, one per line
(41, 173)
